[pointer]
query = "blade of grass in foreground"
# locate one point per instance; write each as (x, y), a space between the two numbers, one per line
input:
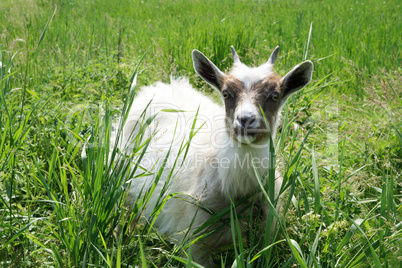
(317, 193)
(256, 256)
(337, 198)
(143, 259)
(312, 257)
(297, 252)
(236, 235)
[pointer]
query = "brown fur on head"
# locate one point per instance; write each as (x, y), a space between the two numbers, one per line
(264, 93)
(246, 91)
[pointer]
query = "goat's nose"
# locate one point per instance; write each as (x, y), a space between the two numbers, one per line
(246, 120)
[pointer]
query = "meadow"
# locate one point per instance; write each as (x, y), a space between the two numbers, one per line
(66, 73)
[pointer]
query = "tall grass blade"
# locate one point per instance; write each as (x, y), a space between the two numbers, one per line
(377, 262)
(21, 231)
(312, 257)
(259, 253)
(337, 198)
(297, 252)
(349, 235)
(44, 32)
(236, 237)
(317, 193)
(186, 261)
(295, 160)
(142, 255)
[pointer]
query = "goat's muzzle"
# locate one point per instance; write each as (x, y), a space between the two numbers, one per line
(248, 128)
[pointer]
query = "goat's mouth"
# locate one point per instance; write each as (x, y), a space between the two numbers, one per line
(249, 135)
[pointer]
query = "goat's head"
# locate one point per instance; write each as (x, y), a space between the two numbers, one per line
(246, 91)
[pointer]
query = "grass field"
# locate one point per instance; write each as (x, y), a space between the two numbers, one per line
(66, 68)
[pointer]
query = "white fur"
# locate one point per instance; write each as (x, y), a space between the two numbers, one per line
(216, 166)
(250, 75)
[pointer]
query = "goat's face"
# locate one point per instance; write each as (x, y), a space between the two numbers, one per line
(245, 121)
(252, 96)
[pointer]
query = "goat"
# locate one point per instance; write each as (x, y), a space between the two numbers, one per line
(217, 167)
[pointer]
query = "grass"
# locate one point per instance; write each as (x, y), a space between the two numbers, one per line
(67, 68)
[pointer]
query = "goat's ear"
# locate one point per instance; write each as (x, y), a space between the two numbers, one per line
(296, 79)
(207, 70)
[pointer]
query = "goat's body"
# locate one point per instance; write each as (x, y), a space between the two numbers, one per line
(209, 175)
(201, 172)
(230, 145)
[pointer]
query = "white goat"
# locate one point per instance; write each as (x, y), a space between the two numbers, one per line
(218, 163)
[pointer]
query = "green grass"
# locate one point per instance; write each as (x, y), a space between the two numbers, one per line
(67, 69)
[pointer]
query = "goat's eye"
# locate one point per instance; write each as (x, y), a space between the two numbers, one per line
(225, 94)
(275, 96)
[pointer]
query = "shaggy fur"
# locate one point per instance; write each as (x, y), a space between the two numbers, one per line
(218, 163)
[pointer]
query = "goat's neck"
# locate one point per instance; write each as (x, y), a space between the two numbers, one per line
(230, 171)
(238, 177)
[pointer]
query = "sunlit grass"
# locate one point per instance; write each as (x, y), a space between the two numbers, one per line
(64, 78)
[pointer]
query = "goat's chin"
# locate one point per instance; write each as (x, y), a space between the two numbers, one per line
(252, 140)
(245, 139)
(251, 137)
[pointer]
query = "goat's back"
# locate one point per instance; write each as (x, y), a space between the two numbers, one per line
(175, 107)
